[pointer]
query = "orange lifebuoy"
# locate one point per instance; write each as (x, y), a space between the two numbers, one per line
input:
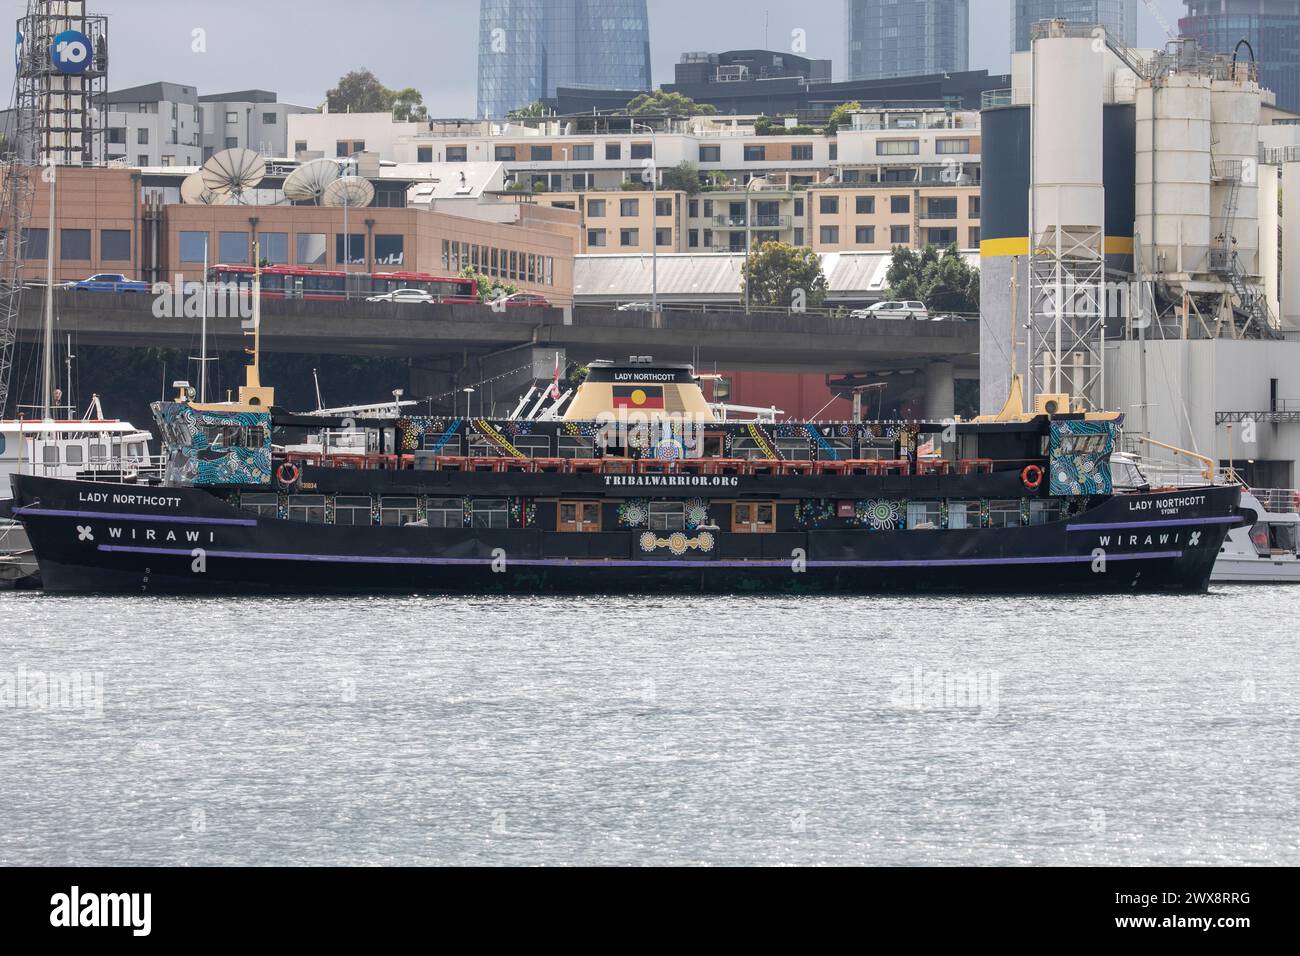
(1032, 477)
(288, 474)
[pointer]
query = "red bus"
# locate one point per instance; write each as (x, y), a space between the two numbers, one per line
(295, 282)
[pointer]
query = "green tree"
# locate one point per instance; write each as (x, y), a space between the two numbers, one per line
(944, 282)
(840, 116)
(671, 104)
(360, 92)
(408, 104)
(684, 176)
(533, 109)
(776, 269)
(489, 287)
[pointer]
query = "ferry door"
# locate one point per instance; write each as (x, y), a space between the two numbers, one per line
(293, 287)
(579, 516)
(753, 518)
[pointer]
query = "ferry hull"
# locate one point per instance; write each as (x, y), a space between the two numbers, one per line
(92, 538)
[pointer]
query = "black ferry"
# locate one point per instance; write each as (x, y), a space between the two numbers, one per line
(635, 488)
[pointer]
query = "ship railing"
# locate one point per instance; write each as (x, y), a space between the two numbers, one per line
(719, 467)
(1278, 500)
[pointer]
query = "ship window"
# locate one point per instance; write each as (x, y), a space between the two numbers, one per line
(480, 447)
(963, 515)
(446, 512)
(757, 517)
(352, 512)
(534, 446)
(1004, 514)
(135, 450)
(835, 449)
(308, 508)
(76, 455)
(444, 445)
(1044, 512)
(50, 454)
(579, 516)
(572, 446)
(398, 512)
(667, 516)
(793, 449)
(264, 506)
(99, 453)
(491, 513)
(747, 448)
(922, 515)
(1282, 537)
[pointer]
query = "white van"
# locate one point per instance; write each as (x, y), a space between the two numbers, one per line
(894, 310)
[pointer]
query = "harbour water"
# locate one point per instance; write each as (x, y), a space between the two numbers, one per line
(696, 730)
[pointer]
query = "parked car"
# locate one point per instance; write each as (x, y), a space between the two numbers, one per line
(404, 295)
(636, 307)
(894, 310)
(526, 300)
(109, 282)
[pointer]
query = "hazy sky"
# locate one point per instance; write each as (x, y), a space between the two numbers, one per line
(299, 48)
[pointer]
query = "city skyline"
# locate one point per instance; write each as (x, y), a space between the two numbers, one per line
(438, 53)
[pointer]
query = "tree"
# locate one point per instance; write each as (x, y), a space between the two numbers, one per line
(775, 271)
(684, 176)
(944, 282)
(672, 104)
(533, 109)
(408, 104)
(489, 287)
(840, 116)
(360, 92)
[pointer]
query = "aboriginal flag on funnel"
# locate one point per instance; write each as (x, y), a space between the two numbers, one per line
(639, 396)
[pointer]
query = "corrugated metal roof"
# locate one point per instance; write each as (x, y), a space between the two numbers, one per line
(689, 276)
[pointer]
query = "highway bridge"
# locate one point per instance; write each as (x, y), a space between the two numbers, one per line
(473, 342)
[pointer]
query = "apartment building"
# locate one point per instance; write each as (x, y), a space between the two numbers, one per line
(158, 124)
(248, 119)
(751, 186)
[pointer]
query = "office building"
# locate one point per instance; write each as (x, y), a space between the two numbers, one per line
(529, 48)
(906, 37)
(1119, 17)
(1271, 27)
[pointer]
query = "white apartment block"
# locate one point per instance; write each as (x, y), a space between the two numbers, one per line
(249, 119)
(153, 125)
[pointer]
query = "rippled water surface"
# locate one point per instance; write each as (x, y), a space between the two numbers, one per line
(630, 730)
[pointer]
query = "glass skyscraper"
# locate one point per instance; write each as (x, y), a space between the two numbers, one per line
(906, 37)
(1119, 17)
(1271, 26)
(529, 48)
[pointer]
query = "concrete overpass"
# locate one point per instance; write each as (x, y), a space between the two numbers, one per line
(458, 343)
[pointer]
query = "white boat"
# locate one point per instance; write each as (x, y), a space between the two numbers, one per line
(1263, 552)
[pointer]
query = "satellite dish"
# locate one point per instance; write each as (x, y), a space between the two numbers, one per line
(350, 191)
(233, 172)
(195, 193)
(309, 181)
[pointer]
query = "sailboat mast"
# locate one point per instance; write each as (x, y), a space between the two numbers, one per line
(203, 331)
(47, 385)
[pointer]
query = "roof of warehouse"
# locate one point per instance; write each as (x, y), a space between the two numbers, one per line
(684, 275)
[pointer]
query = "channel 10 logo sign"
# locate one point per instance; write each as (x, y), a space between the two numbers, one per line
(71, 52)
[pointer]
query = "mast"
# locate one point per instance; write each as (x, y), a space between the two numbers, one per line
(203, 331)
(47, 382)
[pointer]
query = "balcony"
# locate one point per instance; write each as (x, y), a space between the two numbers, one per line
(759, 222)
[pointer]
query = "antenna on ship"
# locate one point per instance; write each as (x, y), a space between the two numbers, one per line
(252, 393)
